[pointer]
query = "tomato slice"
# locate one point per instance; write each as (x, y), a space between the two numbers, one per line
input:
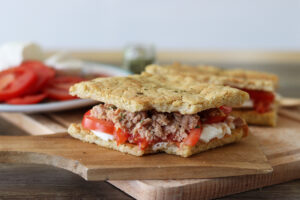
(260, 95)
(6, 79)
(24, 79)
(120, 136)
(262, 100)
(92, 123)
(67, 79)
(62, 86)
(58, 94)
(30, 99)
(58, 88)
(43, 72)
(193, 137)
(143, 144)
(261, 107)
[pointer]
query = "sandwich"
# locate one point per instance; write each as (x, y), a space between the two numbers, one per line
(260, 109)
(144, 114)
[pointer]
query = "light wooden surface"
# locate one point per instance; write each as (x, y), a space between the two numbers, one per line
(289, 102)
(96, 163)
(284, 157)
(167, 56)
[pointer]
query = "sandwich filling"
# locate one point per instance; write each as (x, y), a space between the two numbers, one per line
(150, 129)
(260, 101)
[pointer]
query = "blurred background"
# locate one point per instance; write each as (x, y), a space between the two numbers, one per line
(168, 24)
(256, 34)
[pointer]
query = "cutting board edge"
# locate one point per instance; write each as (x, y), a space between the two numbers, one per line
(90, 174)
(242, 183)
(19, 157)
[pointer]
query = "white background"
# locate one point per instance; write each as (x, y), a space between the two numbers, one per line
(180, 24)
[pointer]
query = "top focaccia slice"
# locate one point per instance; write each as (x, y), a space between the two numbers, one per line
(209, 74)
(168, 93)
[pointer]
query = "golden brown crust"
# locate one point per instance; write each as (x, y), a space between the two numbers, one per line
(76, 131)
(235, 77)
(250, 74)
(255, 118)
(161, 93)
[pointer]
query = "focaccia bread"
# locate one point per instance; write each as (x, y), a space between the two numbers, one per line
(162, 93)
(268, 118)
(208, 74)
(260, 86)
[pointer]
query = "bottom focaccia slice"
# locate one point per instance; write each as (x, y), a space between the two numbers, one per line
(76, 131)
(254, 118)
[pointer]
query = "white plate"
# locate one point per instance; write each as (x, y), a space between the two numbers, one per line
(89, 68)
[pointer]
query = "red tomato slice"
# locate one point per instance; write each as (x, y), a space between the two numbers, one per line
(261, 95)
(92, 123)
(24, 79)
(58, 94)
(262, 107)
(62, 86)
(143, 144)
(67, 79)
(120, 136)
(6, 79)
(43, 72)
(30, 99)
(193, 137)
(226, 109)
(58, 88)
(262, 100)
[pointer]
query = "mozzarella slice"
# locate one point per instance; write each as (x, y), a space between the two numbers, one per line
(103, 136)
(217, 130)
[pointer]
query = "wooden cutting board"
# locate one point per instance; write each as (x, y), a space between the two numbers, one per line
(96, 163)
(280, 144)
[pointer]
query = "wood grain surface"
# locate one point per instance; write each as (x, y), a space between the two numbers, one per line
(96, 163)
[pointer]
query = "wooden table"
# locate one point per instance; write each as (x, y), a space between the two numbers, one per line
(39, 181)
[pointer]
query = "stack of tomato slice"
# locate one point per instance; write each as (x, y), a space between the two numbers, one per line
(32, 82)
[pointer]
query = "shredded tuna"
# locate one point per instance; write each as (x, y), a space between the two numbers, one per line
(151, 125)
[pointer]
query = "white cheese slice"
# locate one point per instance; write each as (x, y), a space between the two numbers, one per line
(246, 104)
(13, 54)
(217, 130)
(103, 136)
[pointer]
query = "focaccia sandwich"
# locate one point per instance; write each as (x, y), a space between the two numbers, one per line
(142, 114)
(260, 109)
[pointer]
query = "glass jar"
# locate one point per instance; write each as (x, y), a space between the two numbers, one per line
(137, 57)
